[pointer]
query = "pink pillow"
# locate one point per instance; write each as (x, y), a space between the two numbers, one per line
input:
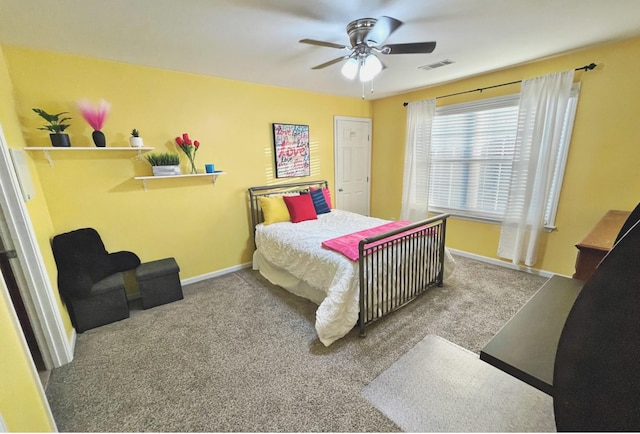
(300, 208)
(327, 195)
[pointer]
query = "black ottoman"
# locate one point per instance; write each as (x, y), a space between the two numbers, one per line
(159, 282)
(106, 304)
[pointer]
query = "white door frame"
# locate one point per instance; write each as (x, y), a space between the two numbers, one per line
(31, 274)
(336, 119)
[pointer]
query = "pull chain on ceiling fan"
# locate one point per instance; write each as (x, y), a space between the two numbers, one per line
(366, 36)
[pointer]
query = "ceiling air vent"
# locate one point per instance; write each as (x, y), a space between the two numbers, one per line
(437, 64)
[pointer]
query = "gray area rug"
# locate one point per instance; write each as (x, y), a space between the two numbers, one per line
(240, 354)
(439, 386)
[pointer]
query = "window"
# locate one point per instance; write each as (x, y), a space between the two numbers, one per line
(472, 149)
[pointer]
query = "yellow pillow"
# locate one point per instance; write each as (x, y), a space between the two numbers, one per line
(274, 210)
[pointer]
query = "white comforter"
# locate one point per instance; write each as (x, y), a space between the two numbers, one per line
(296, 248)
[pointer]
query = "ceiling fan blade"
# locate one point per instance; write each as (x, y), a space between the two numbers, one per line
(330, 62)
(410, 48)
(322, 43)
(382, 29)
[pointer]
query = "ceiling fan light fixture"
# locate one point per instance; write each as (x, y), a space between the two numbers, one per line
(350, 68)
(367, 37)
(371, 66)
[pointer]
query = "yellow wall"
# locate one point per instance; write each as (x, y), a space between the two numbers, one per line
(205, 228)
(604, 158)
(22, 406)
(37, 207)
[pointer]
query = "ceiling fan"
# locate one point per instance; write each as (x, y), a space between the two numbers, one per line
(367, 36)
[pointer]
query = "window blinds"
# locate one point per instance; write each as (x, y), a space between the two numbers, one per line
(471, 156)
(472, 149)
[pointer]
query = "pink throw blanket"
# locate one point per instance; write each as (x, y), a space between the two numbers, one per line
(348, 244)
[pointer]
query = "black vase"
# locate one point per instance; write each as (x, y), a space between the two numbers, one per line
(60, 140)
(99, 139)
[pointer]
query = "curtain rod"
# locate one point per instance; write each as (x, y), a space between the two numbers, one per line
(480, 89)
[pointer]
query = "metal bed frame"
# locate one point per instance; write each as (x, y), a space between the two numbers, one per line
(394, 267)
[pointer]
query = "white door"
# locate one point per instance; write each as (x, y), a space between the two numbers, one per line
(352, 143)
(28, 267)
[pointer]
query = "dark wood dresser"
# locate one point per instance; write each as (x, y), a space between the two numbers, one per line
(598, 242)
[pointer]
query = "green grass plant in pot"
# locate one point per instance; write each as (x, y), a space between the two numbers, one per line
(164, 163)
(56, 126)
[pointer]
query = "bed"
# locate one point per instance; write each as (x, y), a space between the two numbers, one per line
(391, 268)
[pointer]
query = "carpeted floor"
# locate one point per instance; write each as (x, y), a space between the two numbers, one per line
(239, 354)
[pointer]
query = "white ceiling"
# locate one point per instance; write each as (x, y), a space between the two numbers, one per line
(257, 40)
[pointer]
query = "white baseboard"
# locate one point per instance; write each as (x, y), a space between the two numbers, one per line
(500, 263)
(215, 274)
(72, 344)
(493, 261)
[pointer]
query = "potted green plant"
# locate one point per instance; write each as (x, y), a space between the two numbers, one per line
(56, 126)
(164, 163)
(135, 140)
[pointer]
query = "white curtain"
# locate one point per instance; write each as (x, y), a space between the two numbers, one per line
(543, 104)
(415, 184)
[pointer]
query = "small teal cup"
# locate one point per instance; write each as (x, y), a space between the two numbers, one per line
(209, 168)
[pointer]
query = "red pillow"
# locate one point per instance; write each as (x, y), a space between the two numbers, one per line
(327, 195)
(300, 208)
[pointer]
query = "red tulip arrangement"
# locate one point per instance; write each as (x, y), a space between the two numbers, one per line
(189, 148)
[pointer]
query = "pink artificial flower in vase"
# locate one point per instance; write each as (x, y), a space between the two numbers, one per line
(95, 116)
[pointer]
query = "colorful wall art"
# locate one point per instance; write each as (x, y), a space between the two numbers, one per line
(291, 150)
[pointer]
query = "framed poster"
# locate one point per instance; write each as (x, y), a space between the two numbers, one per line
(291, 150)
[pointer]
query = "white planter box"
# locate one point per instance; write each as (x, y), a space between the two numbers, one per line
(136, 142)
(165, 170)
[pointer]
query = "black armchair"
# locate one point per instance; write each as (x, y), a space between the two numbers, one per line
(90, 279)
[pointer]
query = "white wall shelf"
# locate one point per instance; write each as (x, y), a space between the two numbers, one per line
(47, 149)
(85, 148)
(213, 177)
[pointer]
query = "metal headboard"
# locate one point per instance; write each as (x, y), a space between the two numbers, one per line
(275, 190)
